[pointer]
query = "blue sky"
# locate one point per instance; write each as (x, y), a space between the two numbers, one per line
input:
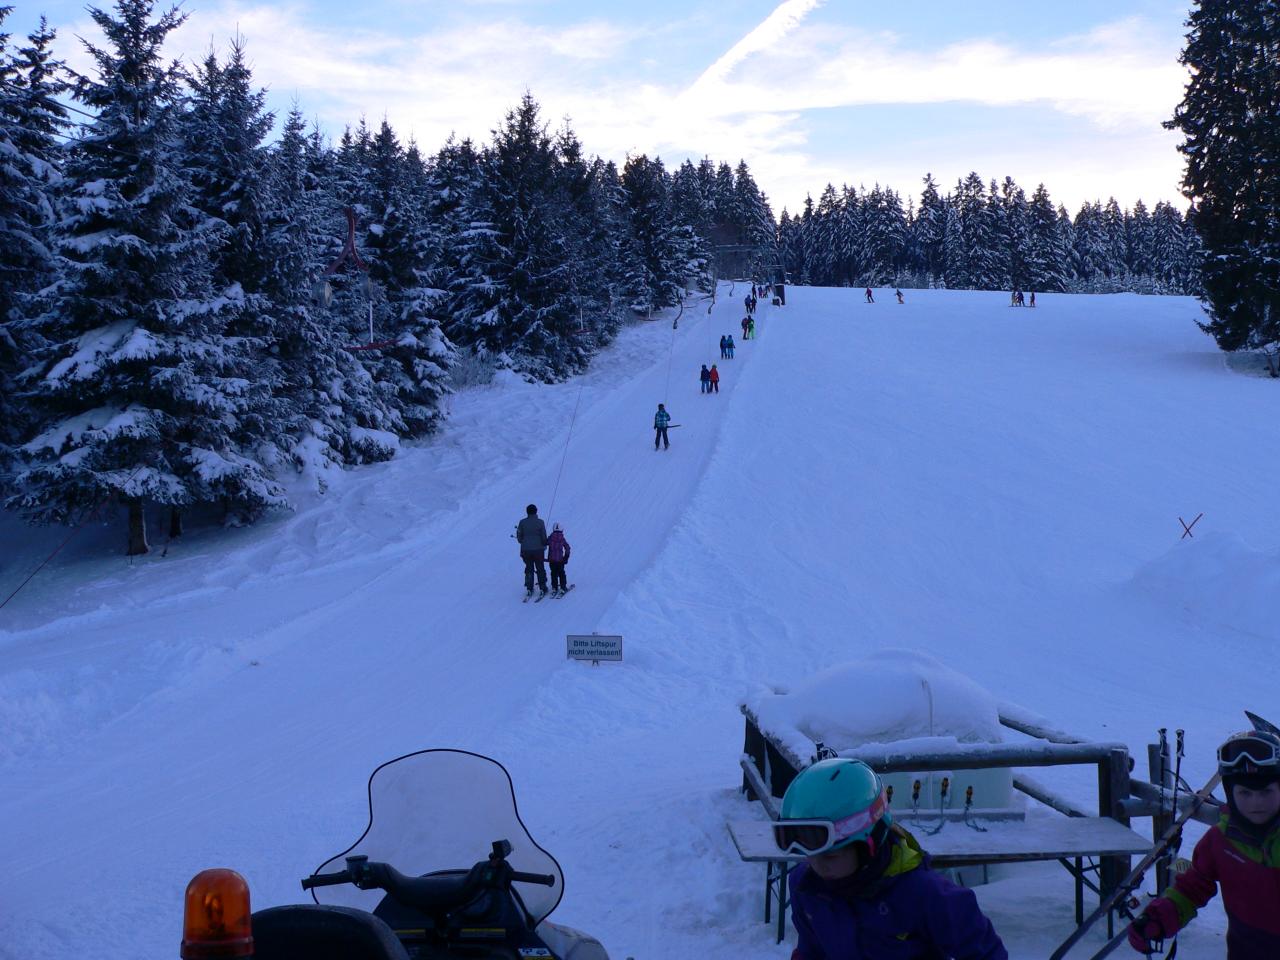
(806, 91)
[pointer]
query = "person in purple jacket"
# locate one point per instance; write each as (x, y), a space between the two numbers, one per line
(865, 890)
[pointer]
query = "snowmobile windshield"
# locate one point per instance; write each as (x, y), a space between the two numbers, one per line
(441, 811)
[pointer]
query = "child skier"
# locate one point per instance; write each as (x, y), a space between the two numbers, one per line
(661, 420)
(557, 557)
(865, 891)
(746, 323)
(704, 378)
(724, 348)
(715, 380)
(729, 346)
(870, 298)
(1242, 853)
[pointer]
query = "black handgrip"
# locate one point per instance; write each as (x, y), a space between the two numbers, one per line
(546, 879)
(326, 879)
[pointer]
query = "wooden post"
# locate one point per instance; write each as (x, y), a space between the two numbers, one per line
(1113, 786)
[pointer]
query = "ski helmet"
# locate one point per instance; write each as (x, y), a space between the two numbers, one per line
(844, 802)
(1250, 758)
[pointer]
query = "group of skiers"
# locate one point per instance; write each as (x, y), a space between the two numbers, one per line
(726, 347)
(537, 549)
(748, 327)
(710, 379)
(870, 296)
(1016, 299)
(866, 889)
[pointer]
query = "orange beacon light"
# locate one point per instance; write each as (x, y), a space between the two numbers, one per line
(215, 921)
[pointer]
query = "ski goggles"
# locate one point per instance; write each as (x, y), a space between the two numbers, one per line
(1242, 752)
(812, 837)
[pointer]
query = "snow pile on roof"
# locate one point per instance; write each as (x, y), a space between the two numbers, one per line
(889, 696)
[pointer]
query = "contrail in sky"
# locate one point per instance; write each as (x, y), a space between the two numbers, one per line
(773, 28)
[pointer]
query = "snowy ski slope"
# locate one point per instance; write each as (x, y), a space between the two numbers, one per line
(997, 487)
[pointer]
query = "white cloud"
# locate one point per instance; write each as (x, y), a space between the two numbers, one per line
(750, 103)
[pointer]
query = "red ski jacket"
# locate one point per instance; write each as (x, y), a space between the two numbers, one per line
(1249, 874)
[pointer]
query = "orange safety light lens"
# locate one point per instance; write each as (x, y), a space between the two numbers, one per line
(215, 922)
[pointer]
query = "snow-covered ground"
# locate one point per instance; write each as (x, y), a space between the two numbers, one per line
(998, 488)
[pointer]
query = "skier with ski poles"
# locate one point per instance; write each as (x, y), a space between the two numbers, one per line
(1241, 853)
(866, 890)
(557, 556)
(531, 533)
(661, 420)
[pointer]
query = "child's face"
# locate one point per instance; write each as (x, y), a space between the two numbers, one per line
(1258, 806)
(836, 864)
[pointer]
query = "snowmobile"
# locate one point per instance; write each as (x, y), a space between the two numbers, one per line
(428, 812)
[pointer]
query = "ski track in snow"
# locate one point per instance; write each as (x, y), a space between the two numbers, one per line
(996, 487)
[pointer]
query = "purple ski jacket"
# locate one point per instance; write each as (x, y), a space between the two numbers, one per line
(911, 913)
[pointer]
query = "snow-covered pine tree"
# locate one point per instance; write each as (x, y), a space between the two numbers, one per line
(30, 120)
(928, 229)
(410, 371)
(657, 279)
(141, 395)
(1048, 257)
(693, 212)
(1230, 117)
(514, 298)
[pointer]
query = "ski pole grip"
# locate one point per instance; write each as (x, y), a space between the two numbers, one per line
(326, 880)
(545, 879)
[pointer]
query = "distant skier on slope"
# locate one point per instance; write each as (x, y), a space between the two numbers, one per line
(898, 294)
(1241, 853)
(715, 380)
(558, 555)
(531, 533)
(866, 889)
(1033, 298)
(661, 420)
(724, 348)
(870, 298)
(704, 378)
(729, 346)
(746, 328)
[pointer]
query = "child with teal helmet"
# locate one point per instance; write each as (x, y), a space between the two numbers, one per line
(865, 890)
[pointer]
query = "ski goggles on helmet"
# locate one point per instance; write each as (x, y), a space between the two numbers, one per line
(812, 837)
(1249, 752)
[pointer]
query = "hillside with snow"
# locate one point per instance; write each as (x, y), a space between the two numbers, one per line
(997, 488)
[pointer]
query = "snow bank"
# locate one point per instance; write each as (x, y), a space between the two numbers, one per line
(1217, 580)
(888, 696)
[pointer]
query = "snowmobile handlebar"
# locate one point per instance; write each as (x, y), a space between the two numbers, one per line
(441, 891)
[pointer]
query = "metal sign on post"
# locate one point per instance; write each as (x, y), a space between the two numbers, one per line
(594, 647)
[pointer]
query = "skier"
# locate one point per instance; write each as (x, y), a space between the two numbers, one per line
(661, 420)
(715, 380)
(724, 348)
(898, 294)
(753, 305)
(1242, 853)
(746, 325)
(751, 327)
(1033, 298)
(729, 346)
(704, 378)
(865, 890)
(531, 533)
(870, 298)
(558, 556)
(746, 302)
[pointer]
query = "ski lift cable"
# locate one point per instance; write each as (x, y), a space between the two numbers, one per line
(565, 453)
(74, 530)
